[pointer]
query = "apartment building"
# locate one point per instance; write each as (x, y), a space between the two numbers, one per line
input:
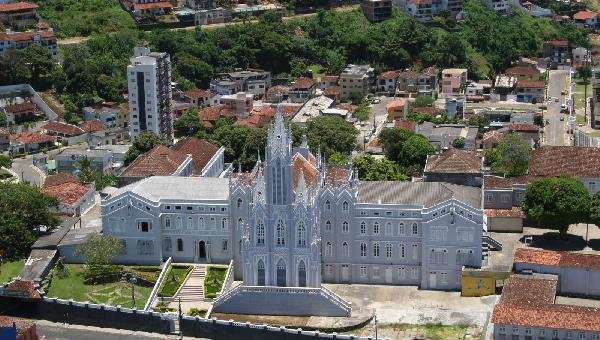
(356, 80)
(454, 81)
(377, 10)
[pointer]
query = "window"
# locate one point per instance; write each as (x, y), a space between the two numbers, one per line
(345, 227)
(144, 226)
(401, 228)
(376, 249)
(345, 249)
(179, 223)
(415, 229)
(555, 334)
(363, 227)
(239, 202)
(345, 206)
(240, 224)
(363, 271)
(376, 272)
(327, 205)
(328, 226)
(328, 249)
(167, 246)
(190, 223)
(167, 223)
(363, 249)
(414, 272)
(328, 270)
(464, 234)
(401, 272)
(463, 256)
(179, 244)
(388, 229)
(376, 228)
(224, 246)
(301, 235)
(569, 335)
(260, 233)
(402, 251)
(280, 233)
(224, 223)
(145, 247)
(444, 278)
(201, 223)
(415, 251)
(502, 330)
(438, 233)
(439, 256)
(388, 250)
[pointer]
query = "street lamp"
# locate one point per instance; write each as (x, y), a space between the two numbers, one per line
(133, 281)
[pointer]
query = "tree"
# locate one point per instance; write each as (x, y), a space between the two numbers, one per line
(492, 158)
(515, 152)
(87, 174)
(595, 209)
(5, 161)
(421, 101)
(332, 134)
(371, 169)
(188, 124)
(406, 148)
(458, 143)
(337, 158)
(23, 209)
(363, 111)
(99, 250)
(144, 142)
(557, 202)
(584, 72)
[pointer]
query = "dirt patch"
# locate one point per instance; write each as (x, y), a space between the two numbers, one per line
(51, 100)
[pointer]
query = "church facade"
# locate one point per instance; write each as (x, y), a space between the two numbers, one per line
(294, 221)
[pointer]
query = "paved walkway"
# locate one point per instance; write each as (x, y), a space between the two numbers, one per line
(191, 292)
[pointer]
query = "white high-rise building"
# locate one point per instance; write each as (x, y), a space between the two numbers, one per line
(149, 83)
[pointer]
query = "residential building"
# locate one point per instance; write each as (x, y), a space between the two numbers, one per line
(523, 72)
(62, 130)
(105, 137)
(277, 93)
(312, 108)
(253, 81)
(421, 10)
(586, 19)
(18, 13)
(333, 92)
(428, 81)
(595, 100)
(455, 106)
(454, 166)
(356, 80)
(209, 115)
(29, 142)
(396, 109)
(149, 79)
(387, 81)
(442, 135)
(455, 7)
(240, 103)
(92, 126)
(377, 10)
(67, 160)
(504, 86)
(259, 117)
(20, 40)
(201, 4)
(140, 8)
(73, 198)
(4, 139)
(302, 89)
(530, 308)
(407, 83)
(531, 91)
(582, 163)
(19, 113)
(581, 57)
(529, 132)
(118, 152)
(454, 81)
(208, 160)
(107, 115)
(160, 161)
(294, 222)
(492, 138)
(499, 6)
(503, 198)
(328, 81)
(198, 97)
(557, 51)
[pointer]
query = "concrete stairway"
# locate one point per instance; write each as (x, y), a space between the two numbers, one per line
(192, 289)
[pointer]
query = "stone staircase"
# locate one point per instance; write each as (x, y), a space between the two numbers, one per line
(192, 289)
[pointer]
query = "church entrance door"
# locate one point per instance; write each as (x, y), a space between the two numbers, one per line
(281, 279)
(345, 273)
(202, 251)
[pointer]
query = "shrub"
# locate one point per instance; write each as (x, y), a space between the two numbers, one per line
(161, 308)
(197, 312)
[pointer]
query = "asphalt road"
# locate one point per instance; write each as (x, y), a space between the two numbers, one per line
(26, 171)
(555, 131)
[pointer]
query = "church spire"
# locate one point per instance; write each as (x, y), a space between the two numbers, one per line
(301, 190)
(304, 144)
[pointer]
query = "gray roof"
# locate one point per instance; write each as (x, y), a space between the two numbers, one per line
(157, 188)
(79, 235)
(424, 194)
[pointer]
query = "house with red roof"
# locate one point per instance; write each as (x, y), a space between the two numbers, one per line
(454, 166)
(502, 201)
(386, 81)
(29, 141)
(160, 161)
(302, 90)
(530, 91)
(586, 19)
(18, 12)
(20, 40)
(74, 198)
(145, 7)
(18, 113)
(523, 72)
(92, 126)
(208, 159)
(63, 131)
(198, 97)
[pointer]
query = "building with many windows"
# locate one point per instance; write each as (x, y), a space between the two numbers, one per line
(294, 222)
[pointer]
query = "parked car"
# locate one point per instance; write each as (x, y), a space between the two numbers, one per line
(562, 119)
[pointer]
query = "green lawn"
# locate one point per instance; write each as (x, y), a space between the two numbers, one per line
(114, 293)
(213, 282)
(594, 134)
(10, 269)
(173, 279)
(426, 331)
(580, 119)
(578, 96)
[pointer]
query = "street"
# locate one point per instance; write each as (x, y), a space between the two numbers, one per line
(24, 168)
(555, 131)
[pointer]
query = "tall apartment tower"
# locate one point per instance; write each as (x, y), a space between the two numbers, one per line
(149, 83)
(595, 104)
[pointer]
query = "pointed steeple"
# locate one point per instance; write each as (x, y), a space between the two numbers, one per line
(304, 144)
(239, 167)
(301, 190)
(319, 159)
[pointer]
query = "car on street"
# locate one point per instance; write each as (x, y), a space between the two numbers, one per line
(563, 92)
(555, 100)
(562, 119)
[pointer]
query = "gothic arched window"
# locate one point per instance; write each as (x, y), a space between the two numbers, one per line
(260, 233)
(301, 234)
(345, 206)
(345, 249)
(345, 227)
(363, 227)
(280, 233)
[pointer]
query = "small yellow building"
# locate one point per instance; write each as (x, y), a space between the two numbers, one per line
(480, 282)
(396, 109)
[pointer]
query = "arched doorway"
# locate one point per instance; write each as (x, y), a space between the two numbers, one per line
(202, 251)
(281, 279)
(301, 274)
(260, 277)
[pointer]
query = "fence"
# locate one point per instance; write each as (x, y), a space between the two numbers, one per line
(221, 329)
(35, 97)
(161, 277)
(580, 138)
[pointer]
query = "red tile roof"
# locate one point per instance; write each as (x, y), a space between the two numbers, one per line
(311, 174)
(160, 161)
(514, 212)
(92, 126)
(26, 287)
(17, 7)
(584, 15)
(430, 71)
(60, 178)
(42, 26)
(20, 108)
(32, 138)
(524, 127)
(565, 160)
(67, 193)
(152, 5)
(63, 128)
(454, 161)
(330, 79)
(303, 83)
(278, 89)
(390, 74)
(213, 113)
(494, 136)
(23, 326)
(410, 74)
(202, 152)
(562, 43)
(405, 124)
(497, 182)
(26, 36)
(522, 70)
(258, 117)
(337, 175)
(429, 110)
(332, 91)
(557, 258)
(289, 110)
(198, 93)
(395, 104)
(531, 84)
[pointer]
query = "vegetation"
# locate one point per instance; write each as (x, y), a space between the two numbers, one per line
(458, 143)
(73, 286)
(23, 209)
(406, 148)
(99, 250)
(32, 65)
(5, 161)
(371, 169)
(557, 202)
(10, 269)
(595, 209)
(144, 142)
(197, 312)
(337, 158)
(188, 124)
(174, 278)
(510, 157)
(422, 101)
(87, 174)
(215, 277)
(162, 308)
(363, 111)
(331, 134)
